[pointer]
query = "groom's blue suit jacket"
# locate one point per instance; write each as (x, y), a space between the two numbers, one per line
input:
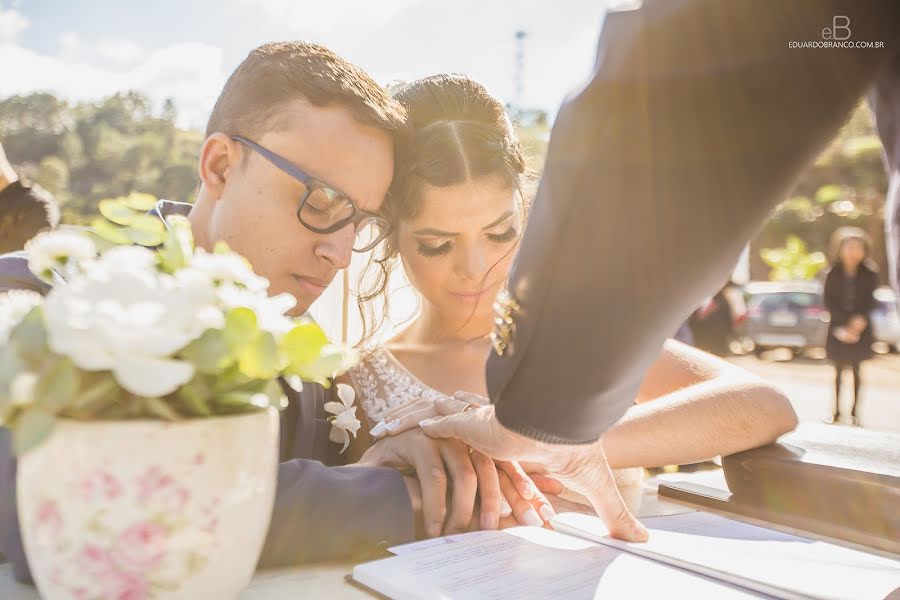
(322, 511)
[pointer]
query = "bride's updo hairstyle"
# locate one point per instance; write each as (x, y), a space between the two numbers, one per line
(456, 132)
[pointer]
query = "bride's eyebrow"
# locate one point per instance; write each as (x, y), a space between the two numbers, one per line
(438, 233)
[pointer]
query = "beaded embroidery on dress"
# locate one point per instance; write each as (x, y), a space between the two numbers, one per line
(384, 384)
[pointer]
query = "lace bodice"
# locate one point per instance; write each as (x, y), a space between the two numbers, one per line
(384, 384)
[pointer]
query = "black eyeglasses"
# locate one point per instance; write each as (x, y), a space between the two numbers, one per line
(323, 209)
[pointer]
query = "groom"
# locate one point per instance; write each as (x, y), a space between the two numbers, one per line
(295, 106)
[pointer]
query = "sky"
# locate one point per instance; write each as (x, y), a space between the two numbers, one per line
(185, 49)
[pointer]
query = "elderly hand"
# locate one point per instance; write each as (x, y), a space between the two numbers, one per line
(582, 468)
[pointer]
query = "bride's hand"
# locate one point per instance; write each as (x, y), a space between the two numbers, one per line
(408, 416)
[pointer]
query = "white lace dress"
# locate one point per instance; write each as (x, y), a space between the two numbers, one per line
(382, 384)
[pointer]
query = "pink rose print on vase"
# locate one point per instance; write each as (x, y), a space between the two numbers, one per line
(49, 521)
(100, 485)
(159, 491)
(141, 547)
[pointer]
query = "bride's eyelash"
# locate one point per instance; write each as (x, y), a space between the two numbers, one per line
(507, 236)
(437, 251)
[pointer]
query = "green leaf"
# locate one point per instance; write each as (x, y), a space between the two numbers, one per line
(179, 244)
(57, 385)
(277, 397)
(118, 212)
(30, 335)
(210, 353)
(259, 358)
(161, 409)
(96, 397)
(140, 201)
(193, 395)
(146, 231)
(33, 426)
(233, 400)
(303, 345)
(109, 232)
(241, 328)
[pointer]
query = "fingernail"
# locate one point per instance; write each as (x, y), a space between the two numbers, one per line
(379, 429)
(547, 512)
(505, 508)
(526, 490)
(392, 425)
(531, 518)
(488, 520)
(427, 422)
(434, 530)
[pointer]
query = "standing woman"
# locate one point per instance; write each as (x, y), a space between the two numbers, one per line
(848, 297)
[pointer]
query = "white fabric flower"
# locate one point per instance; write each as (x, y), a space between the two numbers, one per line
(53, 250)
(124, 316)
(344, 421)
(14, 305)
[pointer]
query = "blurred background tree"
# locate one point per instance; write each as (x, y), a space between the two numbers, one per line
(85, 152)
(846, 185)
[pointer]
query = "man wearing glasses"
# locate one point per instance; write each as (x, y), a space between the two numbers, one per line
(297, 161)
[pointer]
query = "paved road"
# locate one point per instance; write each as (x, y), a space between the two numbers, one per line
(809, 384)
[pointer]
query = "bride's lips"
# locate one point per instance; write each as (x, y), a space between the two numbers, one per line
(310, 285)
(472, 296)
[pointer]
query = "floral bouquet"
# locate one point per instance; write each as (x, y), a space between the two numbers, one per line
(160, 365)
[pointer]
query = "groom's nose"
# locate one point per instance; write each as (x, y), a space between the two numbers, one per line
(336, 248)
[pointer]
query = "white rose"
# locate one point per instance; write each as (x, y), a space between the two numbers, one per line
(14, 305)
(52, 250)
(124, 316)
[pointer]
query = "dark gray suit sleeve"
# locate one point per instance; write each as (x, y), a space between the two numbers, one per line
(331, 513)
(695, 123)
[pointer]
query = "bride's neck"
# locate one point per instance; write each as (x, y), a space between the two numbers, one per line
(431, 328)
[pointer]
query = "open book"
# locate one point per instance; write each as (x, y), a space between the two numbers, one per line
(694, 555)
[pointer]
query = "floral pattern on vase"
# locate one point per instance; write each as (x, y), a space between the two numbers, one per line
(141, 510)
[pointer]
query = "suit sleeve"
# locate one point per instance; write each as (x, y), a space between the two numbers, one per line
(336, 513)
(697, 120)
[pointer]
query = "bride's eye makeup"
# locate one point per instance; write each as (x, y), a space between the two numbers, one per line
(507, 236)
(426, 250)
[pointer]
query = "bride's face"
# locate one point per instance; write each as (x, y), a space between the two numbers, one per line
(457, 251)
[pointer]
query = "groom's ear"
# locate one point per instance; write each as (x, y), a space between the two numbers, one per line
(220, 156)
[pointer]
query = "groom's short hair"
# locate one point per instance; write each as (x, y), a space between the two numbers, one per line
(279, 72)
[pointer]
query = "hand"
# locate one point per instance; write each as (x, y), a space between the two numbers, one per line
(857, 324)
(437, 462)
(583, 468)
(408, 416)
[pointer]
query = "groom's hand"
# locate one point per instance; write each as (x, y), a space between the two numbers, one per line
(582, 468)
(442, 466)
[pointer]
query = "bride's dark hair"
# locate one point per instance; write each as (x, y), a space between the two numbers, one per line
(456, 132)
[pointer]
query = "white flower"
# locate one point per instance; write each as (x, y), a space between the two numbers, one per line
(21, 390)
(123, 315)
(228, 268)
(14, 305)
(344, 422)
(53, 250)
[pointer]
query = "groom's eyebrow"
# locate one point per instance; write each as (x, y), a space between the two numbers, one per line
(438, 233)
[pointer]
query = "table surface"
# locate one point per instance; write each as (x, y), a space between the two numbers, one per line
(328, 580)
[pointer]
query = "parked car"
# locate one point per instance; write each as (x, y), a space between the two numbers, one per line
(785, 314)
(885, 320)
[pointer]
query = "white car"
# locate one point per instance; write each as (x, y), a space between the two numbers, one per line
(885, 320)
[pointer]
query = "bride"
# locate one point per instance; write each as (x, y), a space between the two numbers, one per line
(459, 203)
